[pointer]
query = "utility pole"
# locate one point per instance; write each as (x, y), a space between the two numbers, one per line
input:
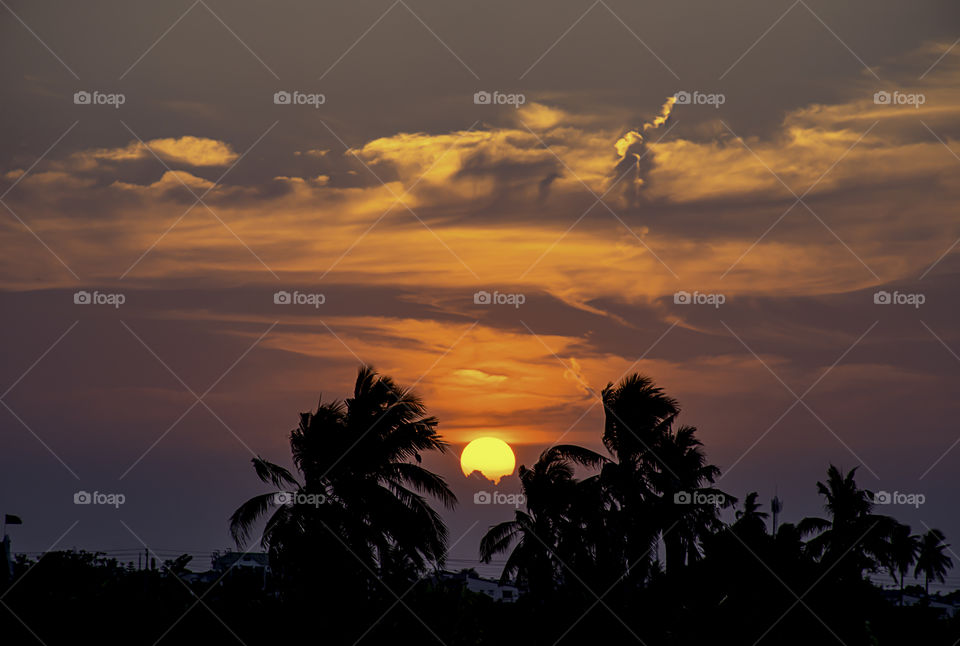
(7, 561)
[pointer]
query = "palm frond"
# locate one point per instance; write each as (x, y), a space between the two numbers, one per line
(247, 515)
(498, 539)
(274, 474)
(424, 481)
(580, 455)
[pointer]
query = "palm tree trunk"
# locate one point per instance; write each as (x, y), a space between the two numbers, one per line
(673, 551)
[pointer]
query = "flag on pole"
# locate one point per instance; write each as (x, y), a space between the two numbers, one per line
(10, 519)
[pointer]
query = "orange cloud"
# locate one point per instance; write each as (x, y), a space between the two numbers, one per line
(193, 151)
(482, 216)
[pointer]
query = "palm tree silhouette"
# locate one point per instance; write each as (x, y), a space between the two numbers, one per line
(542, 534)
(902, 548)
(635, 411)
(932, 560)
(606, 527)
(854, 539)
(751, 522)
(601, 531)
(361, 484)
(681, 468)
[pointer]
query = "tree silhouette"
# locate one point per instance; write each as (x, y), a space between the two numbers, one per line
(605, 528)
(681, 469)
(634, 410)
(546, 531)
(901, 554)
(635, 413)
(751, 522)
(361, 487)
(853, 539)
(932, 559)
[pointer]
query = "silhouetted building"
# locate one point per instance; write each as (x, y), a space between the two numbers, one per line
(223, 561)
(945, 608)
(475, 583)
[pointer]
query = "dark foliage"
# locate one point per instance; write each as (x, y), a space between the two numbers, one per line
(354, 554)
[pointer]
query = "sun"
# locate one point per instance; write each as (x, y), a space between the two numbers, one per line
(490, 456)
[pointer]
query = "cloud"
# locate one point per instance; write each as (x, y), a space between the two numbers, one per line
(853, 143)
(170, 179)
(514, 204)
(631, 148)
(193, 151)
(469, 376)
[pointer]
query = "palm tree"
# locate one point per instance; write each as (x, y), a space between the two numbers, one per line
(902, 553)
(635, 411)
(360, 487)
(932, 559)
(543, 533)
(652, 464)
(682, 468)
(751, 522)
(854, 539)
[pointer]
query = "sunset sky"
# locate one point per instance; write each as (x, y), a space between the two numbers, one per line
(399, 197)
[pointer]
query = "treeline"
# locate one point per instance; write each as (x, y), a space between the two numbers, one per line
(595, 540)
(353, 538)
